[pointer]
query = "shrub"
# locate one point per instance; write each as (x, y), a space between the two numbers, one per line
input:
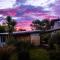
(5, 52)
(54, 46)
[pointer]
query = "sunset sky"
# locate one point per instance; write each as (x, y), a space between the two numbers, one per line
(24, 11)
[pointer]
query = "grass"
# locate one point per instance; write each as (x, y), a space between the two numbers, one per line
(35, 54)
(38, 54)
(14, 57)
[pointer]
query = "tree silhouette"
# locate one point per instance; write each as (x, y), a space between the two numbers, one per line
(46, 24)
(41, 25)
(10, 24)
(36, 24)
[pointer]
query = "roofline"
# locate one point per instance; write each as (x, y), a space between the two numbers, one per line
(31, 32)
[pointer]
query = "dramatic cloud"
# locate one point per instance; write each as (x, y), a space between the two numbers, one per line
(27, 6)
(28, 10)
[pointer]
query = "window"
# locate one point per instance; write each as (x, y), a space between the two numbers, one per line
(2, 41)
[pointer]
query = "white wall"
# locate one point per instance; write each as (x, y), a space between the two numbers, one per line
(35, 39)
(57, 25)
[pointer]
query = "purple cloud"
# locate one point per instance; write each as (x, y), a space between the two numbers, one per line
(56, 8)
(23, 10)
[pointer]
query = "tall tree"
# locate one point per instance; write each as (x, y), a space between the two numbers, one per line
(10, 24)
(10, 28)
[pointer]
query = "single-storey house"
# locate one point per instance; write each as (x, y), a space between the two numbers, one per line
(28, 36)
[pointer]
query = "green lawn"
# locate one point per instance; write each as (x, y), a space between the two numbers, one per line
(35, 54)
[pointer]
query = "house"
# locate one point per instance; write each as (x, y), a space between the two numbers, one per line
(28, 36)
(55, 23)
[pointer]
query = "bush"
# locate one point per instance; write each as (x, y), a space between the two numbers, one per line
(22, 50)
(5, 52)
